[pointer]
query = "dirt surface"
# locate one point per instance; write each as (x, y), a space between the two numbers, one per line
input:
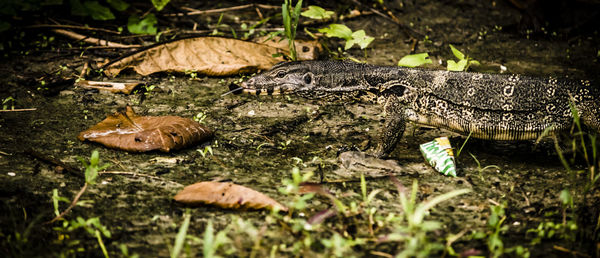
(258, 141)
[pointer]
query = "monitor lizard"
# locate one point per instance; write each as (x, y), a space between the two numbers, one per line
(487, 106)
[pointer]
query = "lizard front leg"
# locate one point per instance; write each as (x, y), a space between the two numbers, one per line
(395, 123)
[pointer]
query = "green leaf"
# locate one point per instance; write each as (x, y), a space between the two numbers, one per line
(317, 13)
(457, 67)
(77, 8)
(457, 53)
(98, 11)
(337, 31)
(180, 238)
(359, 37)
(415, 60)
(144, 26)
(422, 208)
(160, 4)
(119, 5)
(4, 26)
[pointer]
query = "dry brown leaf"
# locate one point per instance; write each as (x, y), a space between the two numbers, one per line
(305, 49)
(130, 132)
(226, 195)
(207, 55)
(114, 87)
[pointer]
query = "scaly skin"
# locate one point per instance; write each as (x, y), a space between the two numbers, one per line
(487, 106)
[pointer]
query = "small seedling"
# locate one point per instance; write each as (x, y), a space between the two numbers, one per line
(93, 167)
(6, 101)
(199, 117)
(464, 62)
(207, 150)
(480, 169)
(284, 145)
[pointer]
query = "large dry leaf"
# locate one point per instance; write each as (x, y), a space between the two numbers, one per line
(130, 132)
(305, 49)
(208, 55)
(226, 195)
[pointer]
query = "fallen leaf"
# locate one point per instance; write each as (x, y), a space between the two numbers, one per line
(130, 132)
(305, 49)
(114, 87)
(208, 55)
(226, 195)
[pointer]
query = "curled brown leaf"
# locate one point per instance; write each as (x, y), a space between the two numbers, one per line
(130, 132)
(226, 195)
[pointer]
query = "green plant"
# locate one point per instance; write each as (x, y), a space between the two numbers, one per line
(494, 232)
(92, 226)
(207, 150)
(181, 235)
(142, 25)
(480, 169)
(6, 101)
(342, 31)
(284, 145)
(413, 234)
(93, 167)
(199, 117)
(91, 173)
(415, 60)
(464, 62)
(317, 13)
(125, 252)
(290, 24)
(212, 242)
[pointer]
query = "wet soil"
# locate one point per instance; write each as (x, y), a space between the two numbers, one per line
(258, 139)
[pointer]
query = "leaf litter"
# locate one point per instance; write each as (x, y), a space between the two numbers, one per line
(213, 56)
(226, 195)
(131, 132)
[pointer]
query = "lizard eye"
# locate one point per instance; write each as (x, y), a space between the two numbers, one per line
(280, 74)
(307, 78)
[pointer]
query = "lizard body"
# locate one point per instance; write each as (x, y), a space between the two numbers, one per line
(487, 106)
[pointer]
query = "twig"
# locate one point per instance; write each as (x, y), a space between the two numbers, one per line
(391, 18)
(74, 27)
(92, 40)
(574, 253)
(5, 153)
(70, 169)
(84, 70)
(73, 203)
(219, 10)
(381, 254)
(134, 174)
(18, 110)
(493, 202)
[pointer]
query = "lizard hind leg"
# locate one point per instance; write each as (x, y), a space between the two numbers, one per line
(590, 115)
(395, 123)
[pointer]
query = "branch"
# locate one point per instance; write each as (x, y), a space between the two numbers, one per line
(73, 203)
(92, 40)
(220, 10)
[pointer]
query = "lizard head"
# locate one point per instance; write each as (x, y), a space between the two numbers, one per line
(281, 79)
(310, 79)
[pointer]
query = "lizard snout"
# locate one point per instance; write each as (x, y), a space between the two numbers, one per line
(248, 83)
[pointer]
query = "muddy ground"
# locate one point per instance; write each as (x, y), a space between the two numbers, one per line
(258, 139)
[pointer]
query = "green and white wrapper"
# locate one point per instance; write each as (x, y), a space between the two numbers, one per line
(438, 153)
